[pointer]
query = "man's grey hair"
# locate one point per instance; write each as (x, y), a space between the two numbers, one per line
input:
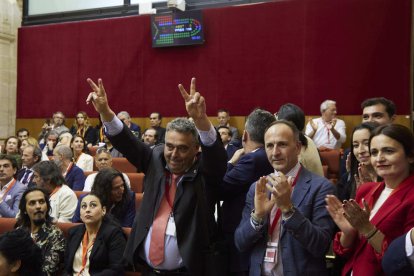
(37, 152)
(124, 113)
(326, 104)
(256, 124)
(65, 151)
(183, 125)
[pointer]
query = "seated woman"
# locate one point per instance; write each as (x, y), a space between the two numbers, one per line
(97, 246)
(83, 128)
(360, 168)
(110, 186)
(81, 159)
(381, 211)
(19, 255)
(12, 147)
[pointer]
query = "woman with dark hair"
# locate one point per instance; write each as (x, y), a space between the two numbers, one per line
(12, 147)
(83, 128)
(309, 155)
(381, 211)
(80, 157)
(97, 246)
(118, 199)
(360, 168)
(19, 255)
(34, 217)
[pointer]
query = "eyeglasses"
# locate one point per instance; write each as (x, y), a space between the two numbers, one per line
(101, 150)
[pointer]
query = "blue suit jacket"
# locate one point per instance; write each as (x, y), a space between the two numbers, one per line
(9, 206)
(75, 178)
(233, 190)
(231, 149)
(305, 237)
(395, 261)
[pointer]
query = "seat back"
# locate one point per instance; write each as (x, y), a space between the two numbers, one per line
(331, 159)
(123, 165)
(6, 224)
(137, 181)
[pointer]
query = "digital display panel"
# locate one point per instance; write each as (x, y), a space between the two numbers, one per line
(176, 29)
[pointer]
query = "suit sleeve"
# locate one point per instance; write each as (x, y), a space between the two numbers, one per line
(246, 236)
(315, 233)
(395, 261)
(237, 179)
(214, 159)
(115, 247)
(11, 211)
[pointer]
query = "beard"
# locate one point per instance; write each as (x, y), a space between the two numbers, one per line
(39, 222)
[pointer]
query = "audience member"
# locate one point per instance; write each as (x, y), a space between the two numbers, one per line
(289, 232)
(74, 177)
(150, 137)
(31, 155)
(51, 140)
(95, 247)
(245, 167)
(82, 127)
(126, 119)
(328, 132)
(225, 135)
(398, 259)
(177, 165)
(28, 141)
(223, 117)
(58, 125)
(22, 133)
(110, 187)
(360, 170)
(34, 217)
(19, 255)
(12, 145)
(62, 199)
(11, 190)
(380, 110)
(103, 160)
(309, 155)
(81, 159)
(381, 211)
(155, 122)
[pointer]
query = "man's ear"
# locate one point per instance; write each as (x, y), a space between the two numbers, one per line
(15, 266)
(245, 136)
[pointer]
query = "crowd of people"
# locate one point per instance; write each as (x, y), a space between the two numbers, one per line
(215, 202)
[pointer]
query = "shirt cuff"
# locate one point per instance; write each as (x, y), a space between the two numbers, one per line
(113, 127)
(256, 227)
(409, 248)
(208, 137)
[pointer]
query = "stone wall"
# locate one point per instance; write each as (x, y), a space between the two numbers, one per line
(10, 21)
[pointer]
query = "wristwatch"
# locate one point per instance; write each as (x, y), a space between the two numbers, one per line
(289, 213)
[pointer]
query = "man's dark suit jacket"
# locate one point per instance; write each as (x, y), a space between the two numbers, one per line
(106, 254)
(305, 237)
(75, 178)
(192, 227)
(233, 190)
(231, 149)
(395, 261)
(20, 175)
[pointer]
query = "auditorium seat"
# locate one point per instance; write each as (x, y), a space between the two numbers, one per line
(6, 224)
(137, 181)
(65, 226)
(331, 159)
(123, 165)
(92, 150)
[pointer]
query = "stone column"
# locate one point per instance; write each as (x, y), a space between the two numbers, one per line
(10, 20)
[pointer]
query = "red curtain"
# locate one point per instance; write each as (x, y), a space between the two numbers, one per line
(256, 55)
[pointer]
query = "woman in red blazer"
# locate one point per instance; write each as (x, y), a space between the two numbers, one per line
(381, 211)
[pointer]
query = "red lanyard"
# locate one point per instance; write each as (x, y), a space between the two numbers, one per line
(85, 249)
(8, 188)
(279, 213)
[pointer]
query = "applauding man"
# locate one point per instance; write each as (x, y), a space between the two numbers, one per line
(285, 219)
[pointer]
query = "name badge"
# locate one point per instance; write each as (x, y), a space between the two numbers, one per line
(271, 252)
(171, 227)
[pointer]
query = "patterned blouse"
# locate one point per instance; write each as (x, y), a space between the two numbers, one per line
(51, 241)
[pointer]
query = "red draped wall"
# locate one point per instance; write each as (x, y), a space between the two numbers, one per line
(256, 55)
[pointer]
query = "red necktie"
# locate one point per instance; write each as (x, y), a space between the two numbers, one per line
(159, 226)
